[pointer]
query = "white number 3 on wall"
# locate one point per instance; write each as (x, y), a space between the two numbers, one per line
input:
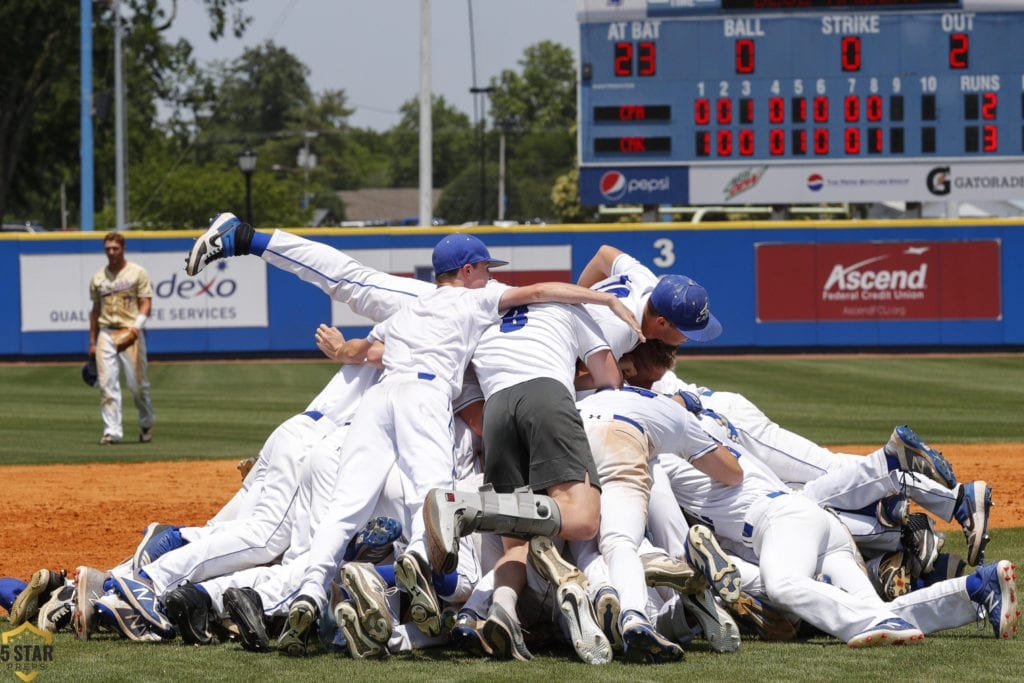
(666, 257)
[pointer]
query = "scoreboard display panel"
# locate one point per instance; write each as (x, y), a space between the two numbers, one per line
(801, 100)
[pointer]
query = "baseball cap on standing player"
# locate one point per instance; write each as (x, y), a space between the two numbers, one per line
(685, 304)
(456, 250)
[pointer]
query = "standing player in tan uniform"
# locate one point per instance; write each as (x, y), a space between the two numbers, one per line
(122, 298)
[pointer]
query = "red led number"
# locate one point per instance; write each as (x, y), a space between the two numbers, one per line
(874, 108)
(990, 138)
(723, 107)
(776, 110)
(851, 53)
(702, 112)
(646, 59)
(724, 143)
(821, 110)
(851, 108)
(959, 45)
(623, 59)
(989, 105)
(744, 56)
(851, 140)
(746, 142)
(776, 142)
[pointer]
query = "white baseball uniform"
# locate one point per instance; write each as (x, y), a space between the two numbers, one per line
(404, 419)
(632, 282)
(795, 540)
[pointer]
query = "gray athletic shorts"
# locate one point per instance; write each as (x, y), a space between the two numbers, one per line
(533, 436)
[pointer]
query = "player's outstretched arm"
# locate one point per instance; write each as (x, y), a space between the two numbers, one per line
(599, 267)
(720, 465)
(565, 293)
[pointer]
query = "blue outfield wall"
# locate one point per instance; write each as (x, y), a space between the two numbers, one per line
(773, 285)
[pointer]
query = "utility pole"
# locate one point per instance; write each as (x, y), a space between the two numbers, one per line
(426, 198)
(482, 93)
(86, 191)
(119, 119)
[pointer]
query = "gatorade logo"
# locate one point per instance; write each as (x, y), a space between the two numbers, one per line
(613, 185)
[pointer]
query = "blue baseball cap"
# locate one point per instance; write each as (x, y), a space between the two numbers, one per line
(685, 304)
(456, 250)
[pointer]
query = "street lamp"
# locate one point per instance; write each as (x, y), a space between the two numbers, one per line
(247, 164)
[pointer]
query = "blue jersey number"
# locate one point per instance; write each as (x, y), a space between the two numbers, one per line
(514, 319)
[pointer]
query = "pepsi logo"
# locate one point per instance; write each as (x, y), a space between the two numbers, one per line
(613, 185)
(815, 182)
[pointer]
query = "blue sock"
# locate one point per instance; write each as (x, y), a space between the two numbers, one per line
(144, 575)
(445, 584)
(201, 589)
(892, 462)
(387, 572)
(259, 244)
(974, 584)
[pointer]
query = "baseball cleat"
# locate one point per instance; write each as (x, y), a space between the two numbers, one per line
(766, 621)
(972, 511)
(893, 512)
(88, 588)
(216, 243)
(709, 559)
(467, 633)
(916, 456)
(360, 644)
(369, 599)
(188, 608)
(245, 607)
(139, 594)
(890, 575)
(662, 570)
(997, 597)
(503, 634)
(120, 617)
(893, 631)
(720, 630)
(644, 645)
(375, 542)
(920, 539)
(425, 611)
(146, 435)
(40, 587)
(608, 610)
(301, 616)
(109, 439)
(157, 540)
(56, 613)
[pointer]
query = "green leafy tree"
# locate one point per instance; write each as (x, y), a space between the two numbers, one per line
(453, 142)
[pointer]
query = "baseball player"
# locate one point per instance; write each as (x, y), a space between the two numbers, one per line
(625, 428)
(795, 540)
(424, 348)
(122, 298)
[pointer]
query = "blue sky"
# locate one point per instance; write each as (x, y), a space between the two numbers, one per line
(370, 48)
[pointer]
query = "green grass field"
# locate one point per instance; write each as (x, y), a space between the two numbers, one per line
(226, 410)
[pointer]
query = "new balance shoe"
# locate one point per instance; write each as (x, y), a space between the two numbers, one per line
(369, 599)
(55, 614)
(504, 636)
(720, 630)
(467, 633)
(158, 539)
(120, 617)
(188, 608)
(762, 619)
(608, 609)
(88, 589)
(42, 584)
(916, 456)
(245, 607)
(360, 644)
(662, 570)
(227, 236)
(893, 631)
(375, 542)
(140, 595)
(893, 512)
(302, 614)
(644, 645)
(412, 574)
(890, 574)
(585, 634)
(997, 597)
(972, 510)
(707, 556)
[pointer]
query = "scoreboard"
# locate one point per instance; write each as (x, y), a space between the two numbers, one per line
(790, 101)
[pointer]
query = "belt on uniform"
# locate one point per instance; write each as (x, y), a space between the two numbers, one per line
(748, 529)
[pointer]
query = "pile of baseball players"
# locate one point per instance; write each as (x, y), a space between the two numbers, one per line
(506, 468)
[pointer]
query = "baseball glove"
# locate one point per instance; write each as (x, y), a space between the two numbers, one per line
(89, 374)
(245, 466)
(124, 337)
